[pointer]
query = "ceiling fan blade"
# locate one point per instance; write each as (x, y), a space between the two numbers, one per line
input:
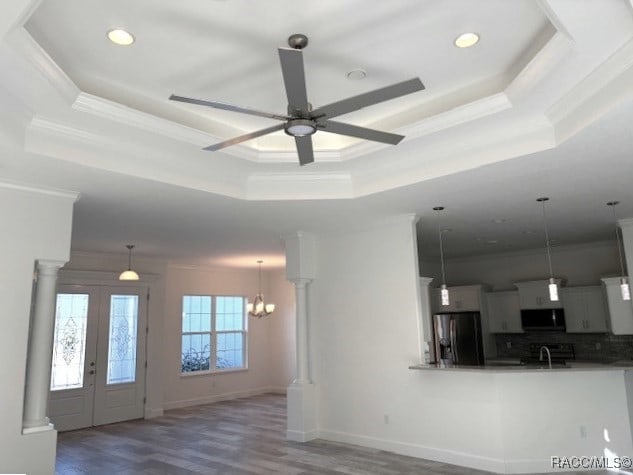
(369, 98)
(360, 132)
(304, 149)
(244, 138)
(227, 107)
(294, 79)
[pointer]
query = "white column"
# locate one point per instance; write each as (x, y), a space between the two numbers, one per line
(301, 400)
(303, 371)
(40, 349)
(427, 317)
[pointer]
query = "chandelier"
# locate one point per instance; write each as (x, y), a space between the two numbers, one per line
(258, 308)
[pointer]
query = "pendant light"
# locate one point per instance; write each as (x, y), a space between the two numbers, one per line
(443, 289)
(625, 290)
(258, 308)
(129, 274)
(553, 287)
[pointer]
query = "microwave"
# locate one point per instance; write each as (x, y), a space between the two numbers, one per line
(550, 319)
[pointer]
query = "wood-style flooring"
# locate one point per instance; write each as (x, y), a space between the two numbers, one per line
(238, 437)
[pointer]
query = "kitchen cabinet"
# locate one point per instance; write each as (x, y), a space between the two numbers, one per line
(504, 312)
(464, 298)
(468, 298)
(620, 311)
(585, 309)
(535, 295)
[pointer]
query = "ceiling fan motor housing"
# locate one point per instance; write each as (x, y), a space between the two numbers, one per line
(300, 127)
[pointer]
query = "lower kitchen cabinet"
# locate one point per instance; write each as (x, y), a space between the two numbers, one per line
(585, 309)
(504, 312)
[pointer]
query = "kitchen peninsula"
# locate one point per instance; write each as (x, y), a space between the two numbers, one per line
(513, 420)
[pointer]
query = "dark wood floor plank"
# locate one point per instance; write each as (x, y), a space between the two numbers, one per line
(238, 437)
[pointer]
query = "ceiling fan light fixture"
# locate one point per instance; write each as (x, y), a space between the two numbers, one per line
(120, 37)
(300, 127)
(466, 40)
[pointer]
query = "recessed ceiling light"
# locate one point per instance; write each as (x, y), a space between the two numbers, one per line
(499, 220)
(120, 37)
(356, 74)
(466, 40)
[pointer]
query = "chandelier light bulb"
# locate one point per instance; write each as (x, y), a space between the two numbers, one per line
(258, 308)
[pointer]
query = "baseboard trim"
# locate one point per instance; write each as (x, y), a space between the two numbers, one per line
(299, 436)
(218, 397)
(419, 451)
(150, 412)
(278, 390)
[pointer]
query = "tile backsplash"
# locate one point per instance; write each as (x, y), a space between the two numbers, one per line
(588, 346)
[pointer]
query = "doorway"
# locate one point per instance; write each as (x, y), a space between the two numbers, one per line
(98, 370)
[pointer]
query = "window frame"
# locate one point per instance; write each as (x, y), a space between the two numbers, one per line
(213, 334)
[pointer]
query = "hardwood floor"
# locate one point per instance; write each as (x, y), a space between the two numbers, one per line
(243, 436)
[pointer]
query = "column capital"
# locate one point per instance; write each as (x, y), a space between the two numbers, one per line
(48, 264)
(301, 282)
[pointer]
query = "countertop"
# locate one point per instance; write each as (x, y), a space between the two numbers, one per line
(518, 368)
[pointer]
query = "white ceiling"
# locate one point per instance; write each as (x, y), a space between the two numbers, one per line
(542, 106)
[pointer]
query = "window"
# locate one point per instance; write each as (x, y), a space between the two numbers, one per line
(213, 333)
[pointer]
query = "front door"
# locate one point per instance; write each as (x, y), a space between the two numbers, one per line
(98, 371)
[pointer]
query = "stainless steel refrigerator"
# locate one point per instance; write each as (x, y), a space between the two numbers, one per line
(458, 339)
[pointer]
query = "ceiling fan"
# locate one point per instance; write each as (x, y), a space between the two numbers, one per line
(302, 121)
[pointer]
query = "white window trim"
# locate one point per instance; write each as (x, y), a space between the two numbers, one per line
(213, 337)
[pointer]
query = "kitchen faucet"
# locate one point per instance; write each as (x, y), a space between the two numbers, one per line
(549, 356)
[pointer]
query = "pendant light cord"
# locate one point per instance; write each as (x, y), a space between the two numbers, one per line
(260, 277)
(547, 246)
(617, 237)
(439, 231)
(129, 256)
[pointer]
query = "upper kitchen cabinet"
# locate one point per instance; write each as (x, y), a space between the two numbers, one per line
(504, 312)
(464, 298)
(620, 311)
(535, 295)
(585, 309)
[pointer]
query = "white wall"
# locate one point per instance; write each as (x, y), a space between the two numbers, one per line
(364, 317)
(270, 339)
(580, 264)
(187, 390)
(35, 225)
(282, 330)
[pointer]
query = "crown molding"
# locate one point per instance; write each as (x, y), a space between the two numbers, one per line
(40, 190)
(554, 19)
(27, 48)
(542, 64)
(119, 113)
(594, 95)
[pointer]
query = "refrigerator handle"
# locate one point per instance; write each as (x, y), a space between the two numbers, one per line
(453, 331)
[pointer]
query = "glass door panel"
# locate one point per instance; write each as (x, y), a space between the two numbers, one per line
(122, 339)
(69, 343)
